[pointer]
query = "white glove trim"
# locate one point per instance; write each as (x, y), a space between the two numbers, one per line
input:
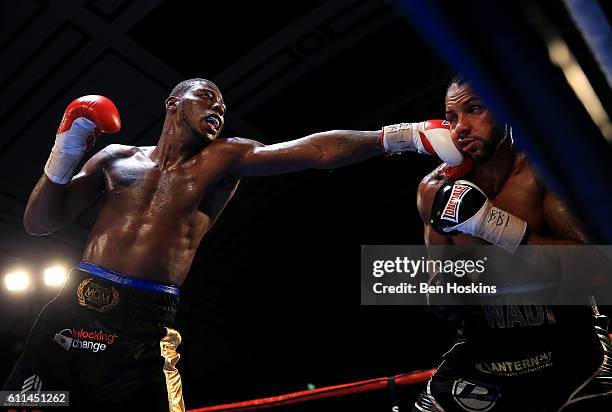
(68, 150)
(492, 224)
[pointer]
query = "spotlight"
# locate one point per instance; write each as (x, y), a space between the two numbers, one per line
(17, 281)
(55, 276)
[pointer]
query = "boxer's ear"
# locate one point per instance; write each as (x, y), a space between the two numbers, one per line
(171, 104)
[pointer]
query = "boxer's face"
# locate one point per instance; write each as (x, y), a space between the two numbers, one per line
(473, 128)
(203, 109)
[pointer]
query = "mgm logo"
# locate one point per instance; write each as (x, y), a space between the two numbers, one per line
(97, 297)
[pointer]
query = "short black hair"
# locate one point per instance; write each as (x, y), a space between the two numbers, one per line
(458, 79)
(185, 85)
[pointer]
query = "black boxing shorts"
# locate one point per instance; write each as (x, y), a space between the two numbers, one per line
(108, 340)
(494, 376)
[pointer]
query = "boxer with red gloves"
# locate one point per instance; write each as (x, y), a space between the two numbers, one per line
(83, 120)
(501, 201)
(428, 137)
(113, 318)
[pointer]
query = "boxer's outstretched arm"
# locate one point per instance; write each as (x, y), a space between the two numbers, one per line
(326, 150)
(52, 205)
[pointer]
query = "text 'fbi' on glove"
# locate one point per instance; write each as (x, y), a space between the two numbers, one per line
(461, 207)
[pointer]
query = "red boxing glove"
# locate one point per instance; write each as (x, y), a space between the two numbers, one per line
(83, 120)
(461, 170)
(98, 109)
(428, 137)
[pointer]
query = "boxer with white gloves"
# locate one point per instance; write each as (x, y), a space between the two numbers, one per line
(502, 201)
(462, 207)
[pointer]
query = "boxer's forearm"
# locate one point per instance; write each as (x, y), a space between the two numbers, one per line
(344, 147)
(59, 196)
(43, 214)
(326, 150)
(535, 239)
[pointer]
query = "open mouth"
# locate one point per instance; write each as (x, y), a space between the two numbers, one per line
(214, 121)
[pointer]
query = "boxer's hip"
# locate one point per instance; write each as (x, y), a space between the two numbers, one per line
(112, 299)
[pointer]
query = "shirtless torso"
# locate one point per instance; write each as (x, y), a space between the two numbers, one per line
(498, 359)
(152, 220)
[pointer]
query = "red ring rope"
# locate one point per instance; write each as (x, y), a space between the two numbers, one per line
(321, 393)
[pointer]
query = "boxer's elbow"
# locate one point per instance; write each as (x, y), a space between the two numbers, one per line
(37, 225)
(32, 228)
(321, 157)
(334, 153)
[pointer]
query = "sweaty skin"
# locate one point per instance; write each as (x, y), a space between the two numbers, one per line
(512, 185)
(508, 327)
(159, 202)
(501, 172)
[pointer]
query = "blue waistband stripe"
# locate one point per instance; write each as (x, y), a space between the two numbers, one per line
(121, 279)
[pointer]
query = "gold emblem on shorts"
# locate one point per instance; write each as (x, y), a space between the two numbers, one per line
(97, 297)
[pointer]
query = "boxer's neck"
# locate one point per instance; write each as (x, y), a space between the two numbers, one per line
(177, 144)
(491, 174)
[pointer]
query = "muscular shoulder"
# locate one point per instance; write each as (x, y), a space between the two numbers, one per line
(120, 150)
(427, 191)
(109, 154)
(235, 144)
(231, 150)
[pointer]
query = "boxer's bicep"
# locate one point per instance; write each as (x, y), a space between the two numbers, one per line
(426, 193)
(560, 220)
(583, 269)
(86, 186)
(425, 196)
(279, 158)
(51, 205)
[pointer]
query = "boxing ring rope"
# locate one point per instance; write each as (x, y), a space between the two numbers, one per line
(322, 393)
(592, 23)
(410, 378)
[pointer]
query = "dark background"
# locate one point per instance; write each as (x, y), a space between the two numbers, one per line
(272, 300)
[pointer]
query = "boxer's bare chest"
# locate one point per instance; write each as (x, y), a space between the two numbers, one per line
(138, 184)
(522, 196)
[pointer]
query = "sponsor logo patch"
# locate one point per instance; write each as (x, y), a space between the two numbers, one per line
(451, 210)
(32, 384)
(475, 397)
(96, 296)
(517, 367)
(81, 339)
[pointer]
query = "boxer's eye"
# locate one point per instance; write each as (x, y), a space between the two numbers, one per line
(206, 95)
